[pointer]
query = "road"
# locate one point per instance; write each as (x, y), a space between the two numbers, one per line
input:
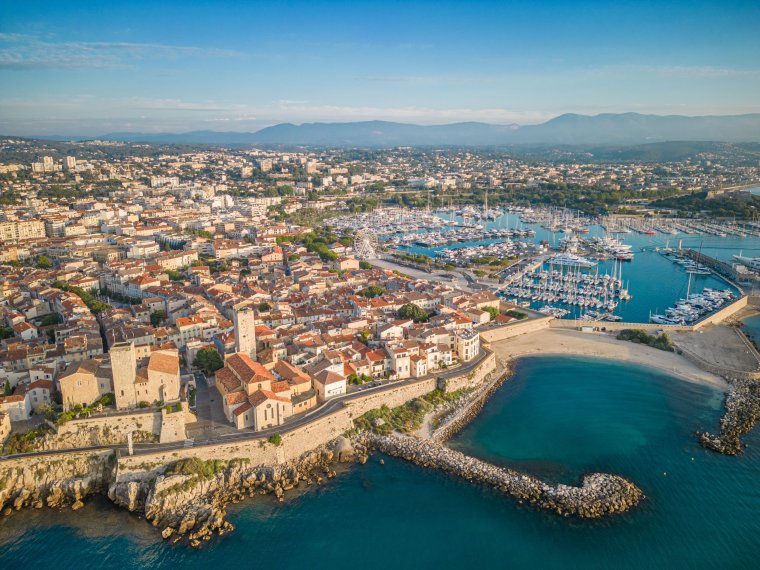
(321, 411)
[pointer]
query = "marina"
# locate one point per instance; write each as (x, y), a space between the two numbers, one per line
(656, 275)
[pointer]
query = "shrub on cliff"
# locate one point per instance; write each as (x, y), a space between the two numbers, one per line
(197, 467)
(275, 439)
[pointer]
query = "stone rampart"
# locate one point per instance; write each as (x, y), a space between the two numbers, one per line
(494, 334)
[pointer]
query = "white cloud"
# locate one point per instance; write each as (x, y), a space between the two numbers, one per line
(20, 52)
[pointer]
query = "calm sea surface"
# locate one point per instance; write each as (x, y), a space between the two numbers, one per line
(558, 418)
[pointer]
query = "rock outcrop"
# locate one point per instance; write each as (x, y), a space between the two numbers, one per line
(54, 481)
(741, 414)
(189, 498)
(599, 495)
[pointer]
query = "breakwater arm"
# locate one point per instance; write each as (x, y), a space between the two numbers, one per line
(599, 495)
(741, 414)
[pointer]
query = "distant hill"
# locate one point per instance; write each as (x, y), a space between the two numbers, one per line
(568, 129)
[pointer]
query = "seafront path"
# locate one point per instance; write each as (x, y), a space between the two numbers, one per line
(324, 409)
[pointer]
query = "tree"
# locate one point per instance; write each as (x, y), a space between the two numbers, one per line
(275, 439)
(365, 336)
(156, 317)
(174, 275)
(493, 311)
(372, 291)
(208, 360)
(365, 265)
(414, 312)
(8, 390)
(43, 262)
(264, 307)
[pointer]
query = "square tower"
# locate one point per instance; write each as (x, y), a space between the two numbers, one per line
(244, 319)
(123, 369)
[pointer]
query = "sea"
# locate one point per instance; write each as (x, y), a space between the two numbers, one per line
(557, 418)
(654, 280)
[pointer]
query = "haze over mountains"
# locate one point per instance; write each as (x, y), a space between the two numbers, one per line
(568, 129)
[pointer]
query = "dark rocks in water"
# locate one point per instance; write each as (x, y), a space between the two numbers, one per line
(742, 412)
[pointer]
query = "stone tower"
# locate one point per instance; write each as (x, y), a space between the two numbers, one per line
(245, 329)
(123, 367)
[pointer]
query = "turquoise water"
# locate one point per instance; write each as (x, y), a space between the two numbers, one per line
(654, 280)
(559, 417)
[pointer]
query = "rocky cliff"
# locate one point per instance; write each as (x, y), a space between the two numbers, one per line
(54, 480)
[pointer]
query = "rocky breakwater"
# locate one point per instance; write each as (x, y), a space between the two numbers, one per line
(53, 481)
(465, 411)
(599, 495)
(188, 499)
(742, 412)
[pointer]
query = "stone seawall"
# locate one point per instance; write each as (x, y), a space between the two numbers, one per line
(599, 495)
(184, 490)
(495, 334)
(471, 407)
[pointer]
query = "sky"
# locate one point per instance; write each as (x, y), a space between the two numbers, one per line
(89, 68)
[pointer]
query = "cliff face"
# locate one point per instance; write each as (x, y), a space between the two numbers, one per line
(54, 481)
(189, 497)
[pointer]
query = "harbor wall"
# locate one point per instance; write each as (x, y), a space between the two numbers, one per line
(714, 318)
(619, 326)
(724, 313)
(717, 370)
(514, 329)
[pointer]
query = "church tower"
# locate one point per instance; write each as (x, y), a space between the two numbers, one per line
(245, 329)
(123, 368)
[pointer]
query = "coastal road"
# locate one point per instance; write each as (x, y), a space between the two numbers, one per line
(207, 439)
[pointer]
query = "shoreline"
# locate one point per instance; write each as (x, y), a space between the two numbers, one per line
(562, 342)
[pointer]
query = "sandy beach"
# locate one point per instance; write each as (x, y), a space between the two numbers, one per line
(600, 345)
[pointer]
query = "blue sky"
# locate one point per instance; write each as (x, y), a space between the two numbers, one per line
(97, 67)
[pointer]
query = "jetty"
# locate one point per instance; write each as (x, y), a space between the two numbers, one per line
(600, 494)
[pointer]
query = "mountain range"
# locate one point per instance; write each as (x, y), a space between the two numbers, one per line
(568, 129)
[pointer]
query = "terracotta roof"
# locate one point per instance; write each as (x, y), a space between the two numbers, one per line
(164, 361)
(242, 408)
(246, 369)
(226, 378)
(261, 396)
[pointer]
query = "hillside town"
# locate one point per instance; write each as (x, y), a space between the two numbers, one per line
(129, 301)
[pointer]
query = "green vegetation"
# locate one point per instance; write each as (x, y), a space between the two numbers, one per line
(372, 291)
(78, 411)
(493, 311)
(94, 304)
(50, 320)
(275, 439)
(264, 307)
(157, 317)
(25, 442)
(197, 467)
(44, 262)
(519, 315)
(357, 380)
(208, 360)
(638, 336)
(414, 312)
(6, 332)
(174, 275)
(408, 417)
(736, 205)
(365, 265)
(7, 390)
